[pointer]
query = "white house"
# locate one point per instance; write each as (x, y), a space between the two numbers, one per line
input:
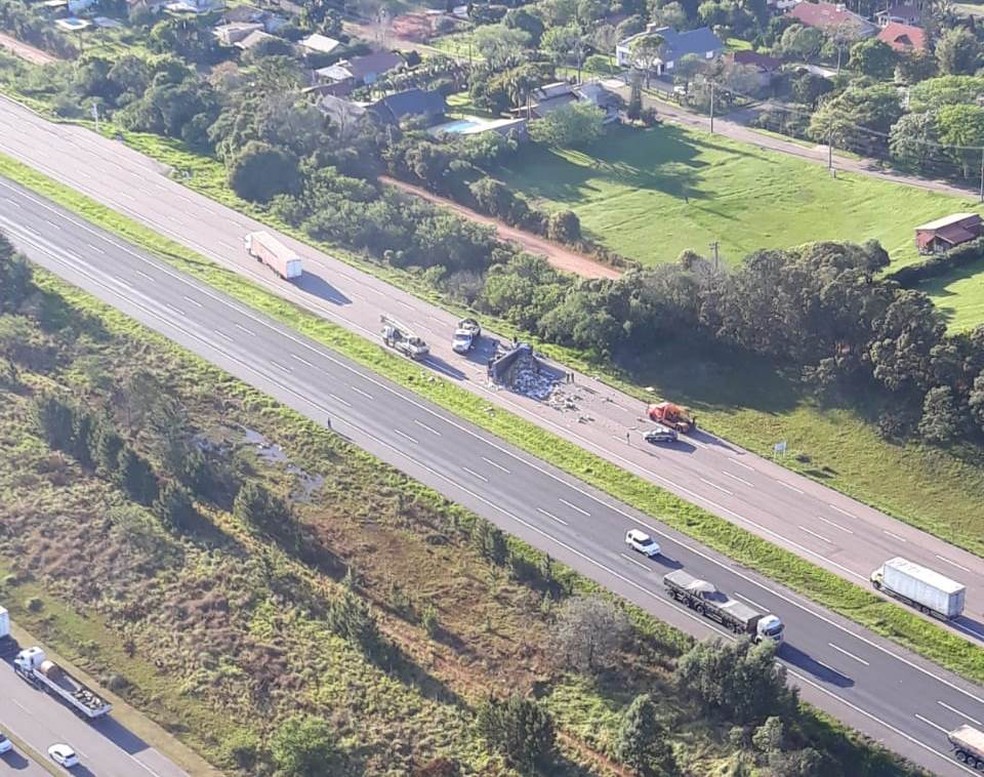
(676, 45)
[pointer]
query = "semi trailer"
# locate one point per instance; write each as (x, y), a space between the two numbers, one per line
(704, 598)
(32, 665)
(967, 744)
(926, 590)
(265, 248)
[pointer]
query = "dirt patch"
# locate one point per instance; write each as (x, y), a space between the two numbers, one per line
(25, 51)
(557, 255)
(413, 27)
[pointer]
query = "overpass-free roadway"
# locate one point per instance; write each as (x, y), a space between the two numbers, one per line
(895, 697)
(819, 524)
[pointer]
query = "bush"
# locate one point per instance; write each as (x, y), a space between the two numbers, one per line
(304, 746)
(939, 264)
(564, 226)
(34, 604)
(519, 729)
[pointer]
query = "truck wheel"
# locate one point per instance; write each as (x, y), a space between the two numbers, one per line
(700, 609)
(960, 755)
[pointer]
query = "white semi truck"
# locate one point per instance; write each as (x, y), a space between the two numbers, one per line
(35, 668)
(265, 248)
(703, 597)
(926, 590)
(967, 744)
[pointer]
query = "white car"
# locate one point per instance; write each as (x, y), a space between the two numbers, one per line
(5, 745)
(63, 755)
(642, 542)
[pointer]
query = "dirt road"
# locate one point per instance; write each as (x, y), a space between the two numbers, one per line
(26, 52)
(557, 255)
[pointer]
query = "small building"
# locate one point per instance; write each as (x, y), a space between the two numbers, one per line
(79, 6)
(360, 71)
(830, 17)
(254, 39)
(903, 37)
(233, 33)
(394, 108)
(319, 44)
(763, 64)
(943, 234)
(900, 14)
(700, 42)
(549, 97)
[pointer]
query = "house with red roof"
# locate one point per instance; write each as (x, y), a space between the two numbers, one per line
(903, 37)
(829, 17)
(943, 234)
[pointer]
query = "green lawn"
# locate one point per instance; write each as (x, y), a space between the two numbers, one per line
(631, 192)
(960, 295)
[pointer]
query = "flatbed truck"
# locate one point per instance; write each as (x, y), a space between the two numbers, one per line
(704, 598)
(34, 667)
(967, 744)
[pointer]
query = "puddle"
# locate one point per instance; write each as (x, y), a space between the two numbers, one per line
(271, 453)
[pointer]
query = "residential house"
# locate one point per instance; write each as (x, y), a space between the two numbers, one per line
(829, 18)
(764, 65)
(781, 6)
(700, 42)
(903, 37)
(900, 14)
(319, 44)
(549, 97)
(943, 234)
(359, 71)
(255, 38)
(231, 34)
(79, 6)
(394, 108)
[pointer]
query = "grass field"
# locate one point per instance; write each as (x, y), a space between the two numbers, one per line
(632, 190)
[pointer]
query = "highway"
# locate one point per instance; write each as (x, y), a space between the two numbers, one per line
(815, 522)
(895, 697)
(105, 747)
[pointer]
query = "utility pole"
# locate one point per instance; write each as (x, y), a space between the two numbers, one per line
(712, 107)
(714, 250)
(830, 150)
(981, 195)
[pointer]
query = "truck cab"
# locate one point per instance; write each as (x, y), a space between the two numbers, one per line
(770, 628)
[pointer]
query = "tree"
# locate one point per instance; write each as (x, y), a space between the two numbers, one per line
(175, 509)
(915, 66)
(634, 108)
(304, 746)
(16, 279)
(564, 226)
(136, 477)
(801, 42)
(647, 52)
(962, 128)
(914, 141)
(589, 632)
(519, 729)
(641, 742)
(688, 67)
(53, 418)
(941, 420)
(976, 401)
(255, 506)
(873, 58)
(769, 736)
(259, 172)
(576, 124)
(740, 679)
(958, 52)
(605, 39)
(489, 541)
(670, 15)
(530, 23)
(500, 46)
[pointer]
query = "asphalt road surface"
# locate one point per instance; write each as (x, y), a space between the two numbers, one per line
(105, 747)
(20, 764)
(817, 523)
(893, 696)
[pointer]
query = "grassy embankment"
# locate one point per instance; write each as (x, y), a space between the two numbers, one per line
(220, 633)
(825, 588)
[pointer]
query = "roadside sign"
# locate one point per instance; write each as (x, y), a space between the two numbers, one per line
(779, 448)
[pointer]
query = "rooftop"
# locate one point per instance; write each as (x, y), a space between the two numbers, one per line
(946, 221)
(903, 37)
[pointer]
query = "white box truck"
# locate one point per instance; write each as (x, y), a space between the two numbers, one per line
(967, 743)
(926, 590)
(265, 248)
(34, 666)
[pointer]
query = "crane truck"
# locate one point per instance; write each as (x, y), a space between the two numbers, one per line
(704, 598)
(967, 743)
(265, 248)
(466, 335)
(922, 588)
(673, 416)
(32, 665)
(401, 338)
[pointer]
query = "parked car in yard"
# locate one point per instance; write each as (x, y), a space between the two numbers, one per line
(642, 542)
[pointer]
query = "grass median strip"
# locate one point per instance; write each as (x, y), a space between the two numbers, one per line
(821, 586)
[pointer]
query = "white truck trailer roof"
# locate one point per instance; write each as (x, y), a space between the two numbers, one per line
(968, 737)
(928, 576)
